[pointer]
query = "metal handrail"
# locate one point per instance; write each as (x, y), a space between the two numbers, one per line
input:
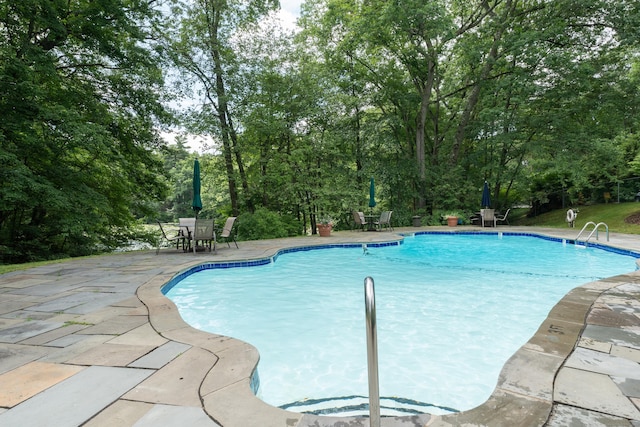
(595, 230)
(372, 352)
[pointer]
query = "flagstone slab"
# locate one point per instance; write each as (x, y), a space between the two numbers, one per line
(69, 301)
(530, 373)
(28, 329)
(27, 314)
(9, 306)
(26, 381)
(628, 337)
(15, 355)
(168, 415)
(630, 387)
(102, 315)
(592, 344)
(178, 383)
(75, 400)
(567, 416)
(590, 390)
(142, 335)
(60, 332)
(64, 354)
(106, 300)
(67, 340)
(25, 281)
(603, 363)
(626, 352)
(117, 325)
(603, 315)
(161, 355)
(131, 302)
(111, 355)
(45, 289)
(121, 413)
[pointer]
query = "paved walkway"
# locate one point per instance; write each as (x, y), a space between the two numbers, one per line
(93, 342)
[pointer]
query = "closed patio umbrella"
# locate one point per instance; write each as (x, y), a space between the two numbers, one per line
(197, 201)
(486, 196)
(372, 195)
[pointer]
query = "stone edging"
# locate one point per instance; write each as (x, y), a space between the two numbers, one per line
(523, 395)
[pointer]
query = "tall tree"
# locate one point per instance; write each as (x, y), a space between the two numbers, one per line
(202, 49)
(79, 87)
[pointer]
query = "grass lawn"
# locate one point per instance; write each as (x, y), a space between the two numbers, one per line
(618, 216)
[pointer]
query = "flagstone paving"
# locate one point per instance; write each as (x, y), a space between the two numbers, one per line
(93, 342)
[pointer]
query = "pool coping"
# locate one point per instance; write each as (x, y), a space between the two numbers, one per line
(524, 394)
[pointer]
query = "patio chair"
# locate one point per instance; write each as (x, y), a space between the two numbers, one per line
(385, 220)
(227, 231)
(359, 220)
(203, 232)
(187, 226)
(167, 238)
(503, 218)
(488, 216)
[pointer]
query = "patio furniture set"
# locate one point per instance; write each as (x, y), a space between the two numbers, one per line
(489, 217)
(198, 234)
(372, 222)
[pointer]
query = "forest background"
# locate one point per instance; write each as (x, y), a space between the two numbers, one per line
(539, 98)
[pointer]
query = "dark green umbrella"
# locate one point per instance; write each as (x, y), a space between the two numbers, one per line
(197, 201)
(372, 195)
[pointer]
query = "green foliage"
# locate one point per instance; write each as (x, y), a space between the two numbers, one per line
(265, 224)
(79, 105)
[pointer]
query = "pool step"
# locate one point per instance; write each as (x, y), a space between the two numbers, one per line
(346, 406)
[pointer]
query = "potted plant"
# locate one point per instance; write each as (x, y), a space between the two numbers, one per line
(452, 219)
(324, 226)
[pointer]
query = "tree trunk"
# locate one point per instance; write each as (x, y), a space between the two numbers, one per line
(425, 98)
(474, 97)
(213, 17)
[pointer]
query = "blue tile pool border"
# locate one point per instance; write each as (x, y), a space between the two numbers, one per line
(268, 260)
(607, 248)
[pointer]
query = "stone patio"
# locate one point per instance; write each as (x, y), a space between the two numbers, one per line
(93, 342)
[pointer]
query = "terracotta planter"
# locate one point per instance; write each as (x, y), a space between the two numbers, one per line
(452, 221)
(324, 230)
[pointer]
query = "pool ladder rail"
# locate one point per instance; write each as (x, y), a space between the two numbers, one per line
(595, 230)
(372, 352)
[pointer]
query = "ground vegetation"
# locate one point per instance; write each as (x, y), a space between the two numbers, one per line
(538, 98)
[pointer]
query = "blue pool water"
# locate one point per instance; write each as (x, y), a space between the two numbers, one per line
(451, 310)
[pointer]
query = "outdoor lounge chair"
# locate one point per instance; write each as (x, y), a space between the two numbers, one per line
(227, 231)
(204, 233)
(167, 238)
(488, 217)
(385, 220)
(503, 218)
(359, 220)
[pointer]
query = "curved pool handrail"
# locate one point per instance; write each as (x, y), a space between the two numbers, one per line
(595, 230)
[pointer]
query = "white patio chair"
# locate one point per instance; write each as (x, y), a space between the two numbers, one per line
(227, 231)
(488, 216)
(203, 232)
(167, 238)
(385, 220)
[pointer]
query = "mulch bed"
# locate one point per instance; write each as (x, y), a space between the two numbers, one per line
(633, 219)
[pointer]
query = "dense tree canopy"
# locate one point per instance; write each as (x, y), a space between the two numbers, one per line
(79, 99)
(431, 98)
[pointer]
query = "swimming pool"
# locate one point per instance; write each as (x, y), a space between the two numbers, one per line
(481, 267)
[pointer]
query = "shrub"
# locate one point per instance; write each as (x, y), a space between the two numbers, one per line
(266, 224)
